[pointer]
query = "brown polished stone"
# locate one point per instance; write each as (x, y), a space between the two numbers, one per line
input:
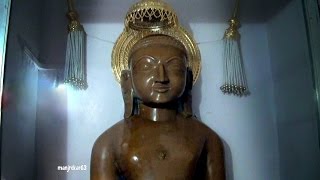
(159, 138)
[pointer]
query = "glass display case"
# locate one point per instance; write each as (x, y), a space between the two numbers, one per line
(48, 129)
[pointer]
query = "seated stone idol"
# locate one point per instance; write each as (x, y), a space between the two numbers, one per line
(159, 137)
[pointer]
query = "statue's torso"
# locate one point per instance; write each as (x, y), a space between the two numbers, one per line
(159, 150)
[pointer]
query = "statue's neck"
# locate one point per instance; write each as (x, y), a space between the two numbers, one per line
(157, 114)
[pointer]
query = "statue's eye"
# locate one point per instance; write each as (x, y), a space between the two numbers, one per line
(144, 64)
(176, 64)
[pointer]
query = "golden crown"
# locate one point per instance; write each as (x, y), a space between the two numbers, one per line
(152, 17)
(150, 14)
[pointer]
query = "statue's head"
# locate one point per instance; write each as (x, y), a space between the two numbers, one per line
(155, 59)
(158, 68)
(158, 73)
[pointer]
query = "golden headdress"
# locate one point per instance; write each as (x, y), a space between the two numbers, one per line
(152, 17)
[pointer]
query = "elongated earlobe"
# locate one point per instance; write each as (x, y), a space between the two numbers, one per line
(127, 93)
(187, 97)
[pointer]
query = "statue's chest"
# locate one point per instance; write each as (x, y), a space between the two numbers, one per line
(161, 148)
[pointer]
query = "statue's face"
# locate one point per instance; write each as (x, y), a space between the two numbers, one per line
(158, 73)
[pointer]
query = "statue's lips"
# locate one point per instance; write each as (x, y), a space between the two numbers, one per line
(161, 88)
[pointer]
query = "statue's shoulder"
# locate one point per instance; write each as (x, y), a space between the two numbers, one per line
(104, 150)
(198, 123)
(204, 128)
(108, 137)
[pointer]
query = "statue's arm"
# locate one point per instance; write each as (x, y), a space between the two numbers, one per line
(215, 158)
(103, 166)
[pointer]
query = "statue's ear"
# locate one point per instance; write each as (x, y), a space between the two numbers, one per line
(187, 96)
(127, 93)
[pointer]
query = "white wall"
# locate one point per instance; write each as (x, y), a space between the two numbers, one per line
(295, 102)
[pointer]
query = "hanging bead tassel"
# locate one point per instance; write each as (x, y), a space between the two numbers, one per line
(75, 67)
(234, 77)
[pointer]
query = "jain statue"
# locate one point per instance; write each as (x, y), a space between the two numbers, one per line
(157, 63)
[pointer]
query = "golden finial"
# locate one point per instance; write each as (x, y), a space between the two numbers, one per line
(234, 24)
(150, 14)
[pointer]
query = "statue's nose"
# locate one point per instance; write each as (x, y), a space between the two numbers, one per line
(162, 74)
